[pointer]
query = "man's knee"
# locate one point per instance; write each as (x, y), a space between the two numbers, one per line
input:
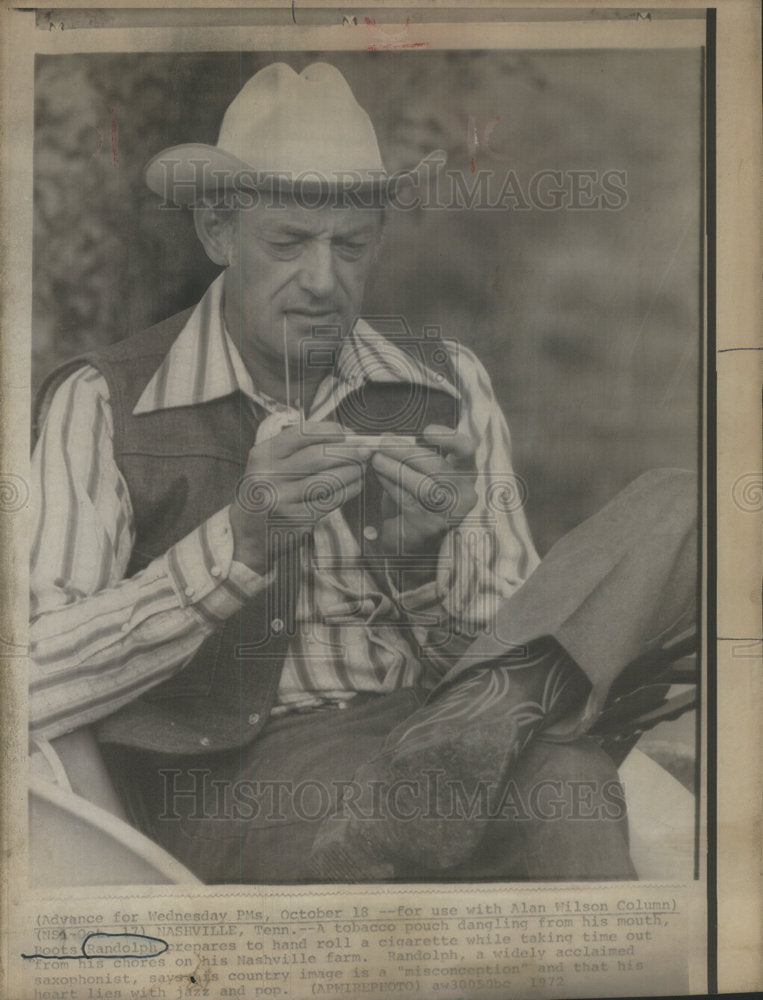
(580, 769)
(651, 524)
(576, 822)
(663, 498)
(675, 481)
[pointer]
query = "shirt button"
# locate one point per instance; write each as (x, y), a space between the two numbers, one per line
(370, 533)
(205, 741)
(215, 571)
(189, 591)
(277, 625)
(253, 719)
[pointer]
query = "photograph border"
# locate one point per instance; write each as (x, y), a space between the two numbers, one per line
(711, 635)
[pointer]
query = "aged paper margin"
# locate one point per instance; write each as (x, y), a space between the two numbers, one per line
(740, 655)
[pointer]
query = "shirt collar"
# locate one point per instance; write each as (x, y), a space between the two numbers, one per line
(204, 363)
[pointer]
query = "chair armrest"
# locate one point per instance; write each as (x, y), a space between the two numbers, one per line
(73, 842)
(85, 768)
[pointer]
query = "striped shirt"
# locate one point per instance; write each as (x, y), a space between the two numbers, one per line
(99, 640)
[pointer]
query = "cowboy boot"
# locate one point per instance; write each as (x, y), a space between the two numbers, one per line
(442, 770)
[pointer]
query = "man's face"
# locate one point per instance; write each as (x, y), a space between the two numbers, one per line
(294, 268)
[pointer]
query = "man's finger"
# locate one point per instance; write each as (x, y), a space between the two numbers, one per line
(458, 449)
(422, 460)
(297, 437)
(397, 477)
(426, 460)
(320, 492)
(324, 487)
(437, 494)
(322, 505)
(317, 457)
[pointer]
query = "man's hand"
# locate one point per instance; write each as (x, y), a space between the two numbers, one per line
(294, 479)
(426, 491)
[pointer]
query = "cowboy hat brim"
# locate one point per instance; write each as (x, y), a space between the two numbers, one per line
(191, 172)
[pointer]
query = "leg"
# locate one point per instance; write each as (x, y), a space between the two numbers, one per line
(251, 816)
(560, 815)
(620, 584)
(563, 818)
(470, 734)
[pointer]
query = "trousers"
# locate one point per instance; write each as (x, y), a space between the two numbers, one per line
(251, 816)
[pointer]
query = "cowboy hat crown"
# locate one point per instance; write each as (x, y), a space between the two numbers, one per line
(283, 128)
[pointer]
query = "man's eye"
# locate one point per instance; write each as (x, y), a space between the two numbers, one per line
(287, 248)
(349, 249)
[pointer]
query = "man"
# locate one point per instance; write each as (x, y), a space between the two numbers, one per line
(269, 615)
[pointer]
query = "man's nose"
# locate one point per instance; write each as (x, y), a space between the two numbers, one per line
(317, 273)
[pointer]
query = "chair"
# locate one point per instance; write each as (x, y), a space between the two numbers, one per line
(83, 839)
(648, 699)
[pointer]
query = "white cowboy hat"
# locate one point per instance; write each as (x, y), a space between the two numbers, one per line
(283, 130)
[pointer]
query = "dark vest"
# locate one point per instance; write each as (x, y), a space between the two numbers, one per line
(181, 465)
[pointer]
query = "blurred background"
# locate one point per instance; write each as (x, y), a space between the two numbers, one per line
(588, 321)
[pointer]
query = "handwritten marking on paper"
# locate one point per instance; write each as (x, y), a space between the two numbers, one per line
(100, 944)
(114, 138)
(392, 39)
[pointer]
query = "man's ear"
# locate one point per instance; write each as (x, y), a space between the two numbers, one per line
(215, 229)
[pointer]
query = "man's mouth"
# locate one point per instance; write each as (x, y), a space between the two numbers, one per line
(311, 313)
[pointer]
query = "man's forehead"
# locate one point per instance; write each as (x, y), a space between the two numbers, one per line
(287, 215)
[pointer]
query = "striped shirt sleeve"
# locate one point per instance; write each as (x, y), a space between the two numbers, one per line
(98, 640)
(490, 554)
